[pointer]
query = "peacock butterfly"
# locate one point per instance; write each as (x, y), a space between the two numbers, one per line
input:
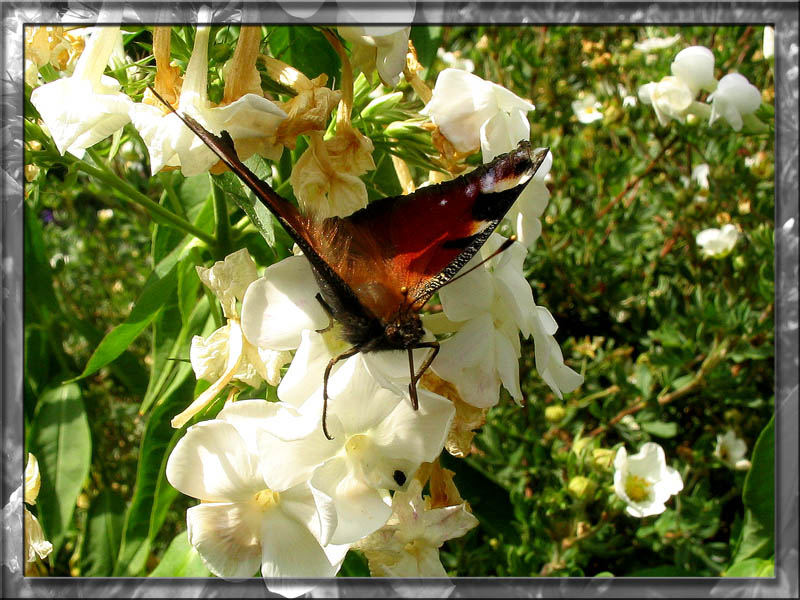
(379, 266)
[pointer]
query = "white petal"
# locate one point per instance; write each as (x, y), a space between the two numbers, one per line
(289, 549)
(76, 115)
(313, 508)
(507, 364)
(34, 538)
(391, 56)
(695, 66)
(291, 459)
(407, 437)
(358, 398)
(280, 305)
(212, 462)
(227, 537)
(250, 116)
(361, 509)
(470, 296)
(502, 133)
(306, 373)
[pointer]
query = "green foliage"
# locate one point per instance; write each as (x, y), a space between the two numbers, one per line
(674, 347)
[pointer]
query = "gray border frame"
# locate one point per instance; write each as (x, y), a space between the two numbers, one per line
(783, 15)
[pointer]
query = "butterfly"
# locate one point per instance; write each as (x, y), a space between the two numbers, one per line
(378, 267)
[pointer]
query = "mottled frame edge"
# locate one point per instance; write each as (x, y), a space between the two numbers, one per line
(785, 18)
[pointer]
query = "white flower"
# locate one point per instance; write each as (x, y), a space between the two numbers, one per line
(170, 143)
(656, 43)
(717, 243)
(549, 359)
(226, 354)
(408, 545)
(695, 67)
(734, 98)
(455, 60)
(495, 304)
(700, 175)
(769, 42)
(644, 481)
(463, 103)
(379, 441)
(732, 451)
(379, 47)
(672, 98)
(249, 517)
(629, 101)
(17, 518)
(587, 109)
(86, 107)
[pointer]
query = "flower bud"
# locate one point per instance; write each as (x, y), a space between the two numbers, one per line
(581, 488)
(554, 413)
(603, 457)
(380, 104)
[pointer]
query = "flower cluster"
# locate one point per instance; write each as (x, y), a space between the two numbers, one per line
(342, 459)
(732, 98)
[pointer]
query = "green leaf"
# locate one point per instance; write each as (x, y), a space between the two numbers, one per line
(757, 538)
(661, 429)
(426, 42)
(152, 493)
(101, 541)
(489, 500)
(152, 299)
(180, 560)
(62, 443)
(307, 50)
(258, 214)
(752, 567)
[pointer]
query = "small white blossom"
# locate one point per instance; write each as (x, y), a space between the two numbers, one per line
(455, 60)
(732, 451)
(651, 44)
(672, 98)
(463, 103)
(86, 107)
(769, 42)
(695, 67)
(226, 354)
(248, 517)
(717, 243)
(587, 110)
(408, 545)
(700, 175)
(644, 481)
(734, 98)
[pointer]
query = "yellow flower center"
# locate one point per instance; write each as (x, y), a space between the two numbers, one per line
(637, 488)
(415, 547)
(266, 499)
(356, 445)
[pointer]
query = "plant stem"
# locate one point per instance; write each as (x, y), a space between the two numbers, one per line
(128, 193)
(221, 217)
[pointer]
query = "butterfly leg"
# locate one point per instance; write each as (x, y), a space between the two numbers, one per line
(328, 311)
(344, 355)
(415, 377)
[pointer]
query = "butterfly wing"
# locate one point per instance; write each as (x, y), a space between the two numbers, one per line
(418, 242)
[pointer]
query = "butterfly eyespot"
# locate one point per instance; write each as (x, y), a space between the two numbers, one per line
(399, 477)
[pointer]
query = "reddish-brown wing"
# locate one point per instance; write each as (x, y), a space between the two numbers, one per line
(418, 242)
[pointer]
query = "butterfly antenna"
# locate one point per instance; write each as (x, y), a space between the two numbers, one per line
(503, 247)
